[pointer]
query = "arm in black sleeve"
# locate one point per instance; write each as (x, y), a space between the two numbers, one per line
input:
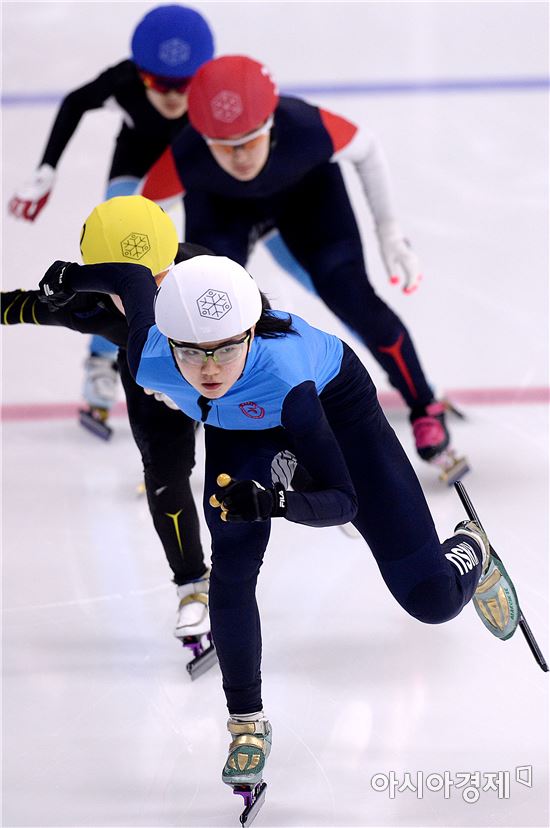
(137, 289)
(332, 499)
(91, 96)
(87, 313)
(19, 307)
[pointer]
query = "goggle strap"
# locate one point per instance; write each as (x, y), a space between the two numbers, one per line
(236, 142)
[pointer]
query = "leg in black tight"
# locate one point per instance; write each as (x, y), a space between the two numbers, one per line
(166, 440)
(237, 554)
(317, 222)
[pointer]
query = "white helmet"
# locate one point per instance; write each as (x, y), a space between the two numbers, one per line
(207, 299)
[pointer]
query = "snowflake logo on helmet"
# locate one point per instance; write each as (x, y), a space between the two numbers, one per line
(135, 246)
(214, 304)
(226, 106)
(174, 51)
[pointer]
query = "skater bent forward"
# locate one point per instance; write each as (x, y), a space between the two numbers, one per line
(262, 381)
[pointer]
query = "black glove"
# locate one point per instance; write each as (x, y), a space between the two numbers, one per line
(53, 285)
(243, 501)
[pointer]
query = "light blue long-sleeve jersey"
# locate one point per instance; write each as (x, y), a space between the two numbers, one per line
(273, 368)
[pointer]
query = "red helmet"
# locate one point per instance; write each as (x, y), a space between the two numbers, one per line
(231, 95)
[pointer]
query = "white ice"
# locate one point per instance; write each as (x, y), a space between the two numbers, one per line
(101, 725)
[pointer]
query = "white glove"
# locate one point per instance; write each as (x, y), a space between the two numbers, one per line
(161, 398)
(31, 198)
(398, 256)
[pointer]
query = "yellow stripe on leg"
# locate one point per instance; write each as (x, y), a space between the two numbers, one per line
(176, 527)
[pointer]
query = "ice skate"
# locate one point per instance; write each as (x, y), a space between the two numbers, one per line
(193, 625)
(432, 442)
(495, 598)
(100, 388)
(243, 770)
(451, 408)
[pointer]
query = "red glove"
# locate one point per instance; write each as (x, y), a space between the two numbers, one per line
(31, 198)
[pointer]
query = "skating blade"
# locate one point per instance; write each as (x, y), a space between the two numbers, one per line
(254, 799)
(452, 409)
(452, 468)
(202, 662)
(95, 425)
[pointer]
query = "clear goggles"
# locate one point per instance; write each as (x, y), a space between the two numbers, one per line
(223, 354)
(246, 142)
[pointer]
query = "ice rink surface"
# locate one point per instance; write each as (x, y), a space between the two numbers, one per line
(101, 725)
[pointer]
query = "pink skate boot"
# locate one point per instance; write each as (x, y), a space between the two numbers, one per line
(432, 442)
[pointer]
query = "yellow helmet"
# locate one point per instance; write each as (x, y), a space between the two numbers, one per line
(129, 229)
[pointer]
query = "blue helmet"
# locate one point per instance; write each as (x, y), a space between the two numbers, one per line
(172, 42)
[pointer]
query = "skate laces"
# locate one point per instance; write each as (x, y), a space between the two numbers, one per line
(428, 429)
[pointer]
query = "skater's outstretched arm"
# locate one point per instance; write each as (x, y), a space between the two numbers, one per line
(86, 313)
(361, 147)
(133, 283)
(28, 201)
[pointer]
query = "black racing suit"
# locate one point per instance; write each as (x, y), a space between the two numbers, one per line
(165, 437)
(144, 135)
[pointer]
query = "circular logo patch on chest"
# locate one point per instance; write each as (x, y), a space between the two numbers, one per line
(252, 410)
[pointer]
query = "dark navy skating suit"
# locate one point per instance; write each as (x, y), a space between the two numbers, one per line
(301, 192)
(306, 391)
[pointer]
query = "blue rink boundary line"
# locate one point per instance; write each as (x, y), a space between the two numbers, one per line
(380, 88)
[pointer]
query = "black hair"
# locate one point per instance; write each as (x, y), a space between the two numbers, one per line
(270, 326)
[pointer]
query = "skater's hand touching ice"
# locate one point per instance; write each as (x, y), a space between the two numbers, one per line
(54, 291)
(243, 501)
(399, 258)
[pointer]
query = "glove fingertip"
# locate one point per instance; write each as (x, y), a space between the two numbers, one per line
(414, 286)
